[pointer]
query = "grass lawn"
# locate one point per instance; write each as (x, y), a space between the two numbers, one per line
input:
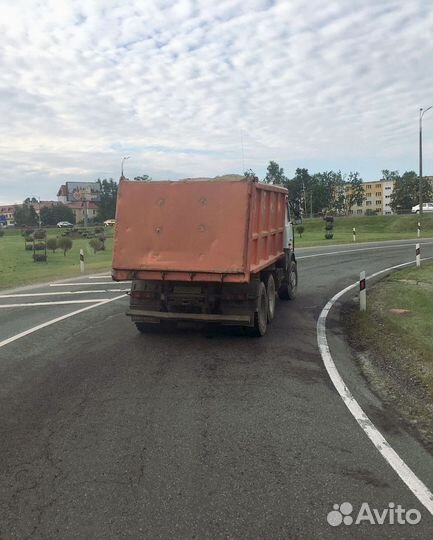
(17, 266)
(368, 229)
(395, 337)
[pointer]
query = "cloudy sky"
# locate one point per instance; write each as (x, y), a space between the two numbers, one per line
(195, 88)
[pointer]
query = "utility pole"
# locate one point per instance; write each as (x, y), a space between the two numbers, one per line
(305, 198)
(421, 114)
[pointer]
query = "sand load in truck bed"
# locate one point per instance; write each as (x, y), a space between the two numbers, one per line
(197, 229)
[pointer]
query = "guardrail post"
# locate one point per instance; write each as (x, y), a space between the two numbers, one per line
(81, 261)
(362, 292)
(418, 255)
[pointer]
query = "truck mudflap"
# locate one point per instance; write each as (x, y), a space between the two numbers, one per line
(141, 315)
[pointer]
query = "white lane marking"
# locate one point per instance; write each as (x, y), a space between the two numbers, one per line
(87, 283)
(60, 293)
(56, 320)
(418, 488)
(356, 250)
(56, 303)
(99, 277)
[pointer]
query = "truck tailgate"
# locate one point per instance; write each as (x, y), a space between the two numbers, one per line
(183, 226)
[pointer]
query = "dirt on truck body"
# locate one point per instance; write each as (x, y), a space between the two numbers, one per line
(212, 250)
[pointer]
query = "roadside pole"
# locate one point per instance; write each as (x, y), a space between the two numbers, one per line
(418, 255)
(362, 292)
(418, 232)
(81, 261)
(354, 234)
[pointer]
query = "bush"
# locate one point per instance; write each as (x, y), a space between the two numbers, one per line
(52, 244)
(2, 233)
(39, 246)
(96, 245)
(28, 246)
(99, 230)
(329, 235)
(300, 229)
(28, 231)
(40, 234)
(64, 244)
(39, 257)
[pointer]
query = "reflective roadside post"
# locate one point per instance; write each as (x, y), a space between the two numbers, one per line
(362, 292)
(418, 231)
(354, 234)
(418, 255)
(81, 261)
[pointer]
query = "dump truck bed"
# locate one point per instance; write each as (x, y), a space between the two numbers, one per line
(220, 229)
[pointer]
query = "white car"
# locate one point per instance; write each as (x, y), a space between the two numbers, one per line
(426, 207)
(109, 223)
(64, 224)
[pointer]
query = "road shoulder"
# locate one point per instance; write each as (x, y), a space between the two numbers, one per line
(392, 344)
(398, 436)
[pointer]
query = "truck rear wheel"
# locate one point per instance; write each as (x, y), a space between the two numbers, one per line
(261, 315)
(271, 294)
(288, 288)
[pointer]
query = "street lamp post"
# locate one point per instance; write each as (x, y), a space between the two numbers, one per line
(123, 160)
(421, 114)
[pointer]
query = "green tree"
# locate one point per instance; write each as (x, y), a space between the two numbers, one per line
(327, 191)
(64, 244)
(406, 191)
(295, 185)
(302, 188)
(250, 174)
(54, 214)
(275, 174)
(30, 200)
(96, 244)
(300, 229)
(353, 191)
(52, 244)
(143, 178)
(107, 204)
(26, 215)
(390, 175)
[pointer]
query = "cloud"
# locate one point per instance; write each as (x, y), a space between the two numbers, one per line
(185, 85)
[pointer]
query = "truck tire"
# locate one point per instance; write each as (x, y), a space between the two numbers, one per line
(261, 315)
(288, 288)
(271, 294)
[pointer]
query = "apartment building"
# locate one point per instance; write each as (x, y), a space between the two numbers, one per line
(388, 186)
(377, 197)
(7, 215)
(78, 209)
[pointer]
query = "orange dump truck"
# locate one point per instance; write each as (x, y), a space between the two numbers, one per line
(213, 250)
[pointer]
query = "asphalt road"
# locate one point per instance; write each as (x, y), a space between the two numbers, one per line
(109, 434)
